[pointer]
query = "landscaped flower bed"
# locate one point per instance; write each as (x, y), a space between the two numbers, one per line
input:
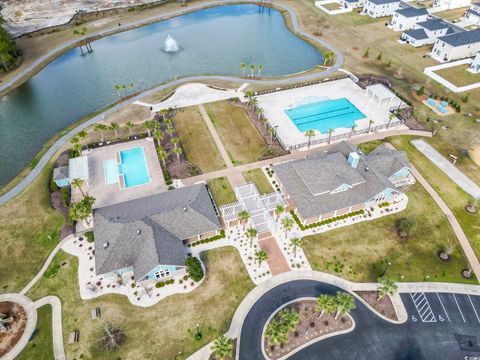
(210, 239)
(326, 221)
(384, 306)
(16, 328)
(310, 326)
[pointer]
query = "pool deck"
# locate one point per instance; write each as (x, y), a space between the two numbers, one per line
(113, 194)
(275, 104)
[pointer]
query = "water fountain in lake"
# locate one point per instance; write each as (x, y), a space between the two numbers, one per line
(171, 45)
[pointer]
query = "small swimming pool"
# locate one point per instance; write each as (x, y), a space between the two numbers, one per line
(133, 167)
(325, 115)
(111, 171)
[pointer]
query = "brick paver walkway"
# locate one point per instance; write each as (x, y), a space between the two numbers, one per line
(276, 260)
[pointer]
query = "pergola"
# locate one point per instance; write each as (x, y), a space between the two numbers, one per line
(380, 92)
(78, 168)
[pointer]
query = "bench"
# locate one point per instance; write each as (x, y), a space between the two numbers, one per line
(73, 337)
(95, 313)
(453, 158)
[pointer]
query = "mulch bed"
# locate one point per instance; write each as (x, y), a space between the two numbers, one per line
(11, 337)
(56, 198)
(213, 357)
(384, 306)
(311, 327)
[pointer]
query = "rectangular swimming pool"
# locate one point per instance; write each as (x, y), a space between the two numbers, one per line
(111, 171)
(133, 167)
(325, 115)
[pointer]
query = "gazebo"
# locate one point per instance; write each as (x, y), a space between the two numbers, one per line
(77, 169)
(380, 92)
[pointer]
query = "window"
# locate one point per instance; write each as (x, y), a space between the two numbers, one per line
(162, 273)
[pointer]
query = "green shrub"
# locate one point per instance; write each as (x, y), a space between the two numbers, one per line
(194, 268)
(421, 91)
(160, 284)
(52, 270)
(89, 236)
(65, 196)
(133, 285)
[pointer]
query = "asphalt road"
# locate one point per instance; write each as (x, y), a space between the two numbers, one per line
(440, 326)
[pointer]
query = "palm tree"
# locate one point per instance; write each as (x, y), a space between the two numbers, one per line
(353, 130)
(244, 69)
(178, 152)
(158, 135)
(74, 140)
(279, 210)
(164, 113)
(370, 122)
(252, 69)
(251, 234)
(130, 125)
(243, 216)
(82, 209)
(390, 118)
(295, 243)
(260, 68)
(101, 128)
(162, 155)
(170, 130)
(386, 287)
(77, 33)
(149, 125)
(222, 347)
(345, 303)
(271, 130)
(261, 256)
(117, 89)
(175, 141)
(328, 58)
(326, 304)
(77, 183)
(82, 135)
(309, 134)
(114, 126)
(330, 131)
(287, 223)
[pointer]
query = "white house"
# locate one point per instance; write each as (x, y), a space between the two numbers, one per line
(427, 32)
(475, 65)
(381, 8)
(406, 18)
(352, 4)
(457, 46)
(473, 14)
(442, 5)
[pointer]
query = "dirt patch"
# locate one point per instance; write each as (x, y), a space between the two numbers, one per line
(384, 306)
(311, 327)
(474, 154)
(234, 351)
(16, 329)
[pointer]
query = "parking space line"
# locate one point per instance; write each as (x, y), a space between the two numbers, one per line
(458, 307)
(423, 307)
(475, 310)
(443, 307)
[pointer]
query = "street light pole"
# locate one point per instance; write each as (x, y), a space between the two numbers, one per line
(386, 268)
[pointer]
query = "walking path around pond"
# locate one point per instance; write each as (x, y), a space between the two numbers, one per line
(448, 168)
(457, 229)
(339, 59)
(57, 332)
(215, 137)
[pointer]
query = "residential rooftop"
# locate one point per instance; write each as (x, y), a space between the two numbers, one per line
(417, 34)
(434, 24)
(383, 2)
(412, 12)
(463, 38)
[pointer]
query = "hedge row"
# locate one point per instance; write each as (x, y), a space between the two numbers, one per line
(384, 204)
(209, 240)
(164, 283)
(326, 221)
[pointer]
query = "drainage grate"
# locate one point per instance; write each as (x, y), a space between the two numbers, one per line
(467, 342)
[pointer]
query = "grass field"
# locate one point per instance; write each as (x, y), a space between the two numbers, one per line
(259, 179)
(197, 141)
(459, 76)
(222, 191)
(160, 331)
(360, 252)
(238, 134)
(41, 346)
(25, 226)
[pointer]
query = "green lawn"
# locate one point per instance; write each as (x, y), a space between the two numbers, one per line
(359, 252)
(241, 139)
(156, 332)
(258, 177)
(197, 141)
(367, 147)
(222, 191)
(25, 226)
(41, 346)
(458, 75)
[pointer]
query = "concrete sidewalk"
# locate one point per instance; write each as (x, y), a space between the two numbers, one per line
(57, 334)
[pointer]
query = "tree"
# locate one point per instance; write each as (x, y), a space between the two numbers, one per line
(295, 243)
(110, 338)
(261, 256)
(252, 70)
(130, 125)
(116, 87)
(178, 151)
(222, 347)
(170, 130)
(370, 122)
(272, 132)
(345, 303)
(379, 56)
(101, 128)
(309, 134)
(287, 224)
(115, 127)
(326, 304)
(330, 131)
(194, 268)
(175, 141)
(244, 69)
(8, 49)
(162, 155)
(421, 90)
(158, 135)
(260, 68)
(82, 209)
(243, 216)
(386, 287)
(82, 135)
(279, 210)
(251, 234)
(327, 58)
(149, 125)
(404, 225)
(77, 183)
(366, 53)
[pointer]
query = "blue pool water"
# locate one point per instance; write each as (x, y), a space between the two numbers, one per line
(325, 115)
(111, 171)
(133, 167)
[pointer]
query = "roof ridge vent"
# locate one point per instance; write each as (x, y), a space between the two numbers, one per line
(106, 245)
(139, 232)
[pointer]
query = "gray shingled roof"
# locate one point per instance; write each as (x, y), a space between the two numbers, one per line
(412, 12)
(417, 34)
(462, 38)
(147, 232)
(433, 24)
(383, 2)
(387, 161)
(308, 205)
(60, 173)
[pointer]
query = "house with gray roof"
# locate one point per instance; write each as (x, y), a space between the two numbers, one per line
(406, 18)
(382, 8)
(457, 46)
(442, 5)
(427, 32)
(343, 180)
(146, 236)
(473, 14)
